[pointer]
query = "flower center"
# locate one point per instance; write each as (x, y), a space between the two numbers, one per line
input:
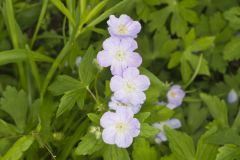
(130, 87)
(121, 127)
(122, 29)
(120, 55)
(173, 94)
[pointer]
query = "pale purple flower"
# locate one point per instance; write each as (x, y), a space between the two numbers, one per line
(119, 54)
(172, 123)
(119, 127)
(123, 26)
(114, 104)
(175, 96)
(129, 87)
(232, 96)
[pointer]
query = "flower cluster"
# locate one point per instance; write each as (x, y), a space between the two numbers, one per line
(172, 123)
(127, 84)
(175, 97)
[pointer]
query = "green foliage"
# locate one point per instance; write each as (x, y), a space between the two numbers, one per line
(51, 106)
(217, 108)
(16, 151)
(229, 152)
(181, 144)
(142, 150)
(112, 152)
(89, 145)
(11, 99)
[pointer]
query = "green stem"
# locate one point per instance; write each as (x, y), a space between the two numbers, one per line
(43, 11)
(196, 72)
(54, 66)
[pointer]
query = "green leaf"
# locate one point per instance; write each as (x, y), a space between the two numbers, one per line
(180, 143)
(64, 10)
(217, 108)
(112, 152)
(229, 152)
(87, 69)
(89, 144)
(68, 100)
(186, 71)
(178, 25)
(174, 60)
(16, 151)
(194, 59)
(63, 84)
(224, 136)
(231, 50)
(205, 150)
(7, 129)
(94, 117)
(148, 131)
(16, 105)
(142, 116)
(202, 44)
(143, 151)
(232, 15)
(19, 55)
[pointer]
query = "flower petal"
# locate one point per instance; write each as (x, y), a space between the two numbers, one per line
(134, 60)
(142, 82)
(135, 130)
(104, 59)
(116, 83)
(123, 140)
(109, 135)
(111, 43)
(130, 73)
(108, 119)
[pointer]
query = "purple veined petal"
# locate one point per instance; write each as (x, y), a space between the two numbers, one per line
(135, 130)
(125, 114)
(123, 140)
(171, 106)
(174, 123)
(121, 95)
(116, 83)
(142, 82)
(111, 43)
(134, 60)
(112, 21)
(137, 98)
(108, 119)
(129, 44)
(109, 135)
(104, 59)
(176, 87)
(134, 28)
(117, 69)
(125, 19)
(130, 73)
(162, 136)
(136, 108)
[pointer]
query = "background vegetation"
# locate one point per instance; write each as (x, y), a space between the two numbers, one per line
(50, 106)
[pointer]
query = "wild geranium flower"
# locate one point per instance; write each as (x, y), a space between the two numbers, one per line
(123, 26)
(232, 96)
(172, 123)
(119, 54)
(119, 127)
(129, 87)
(115, 104)
(175, 96)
